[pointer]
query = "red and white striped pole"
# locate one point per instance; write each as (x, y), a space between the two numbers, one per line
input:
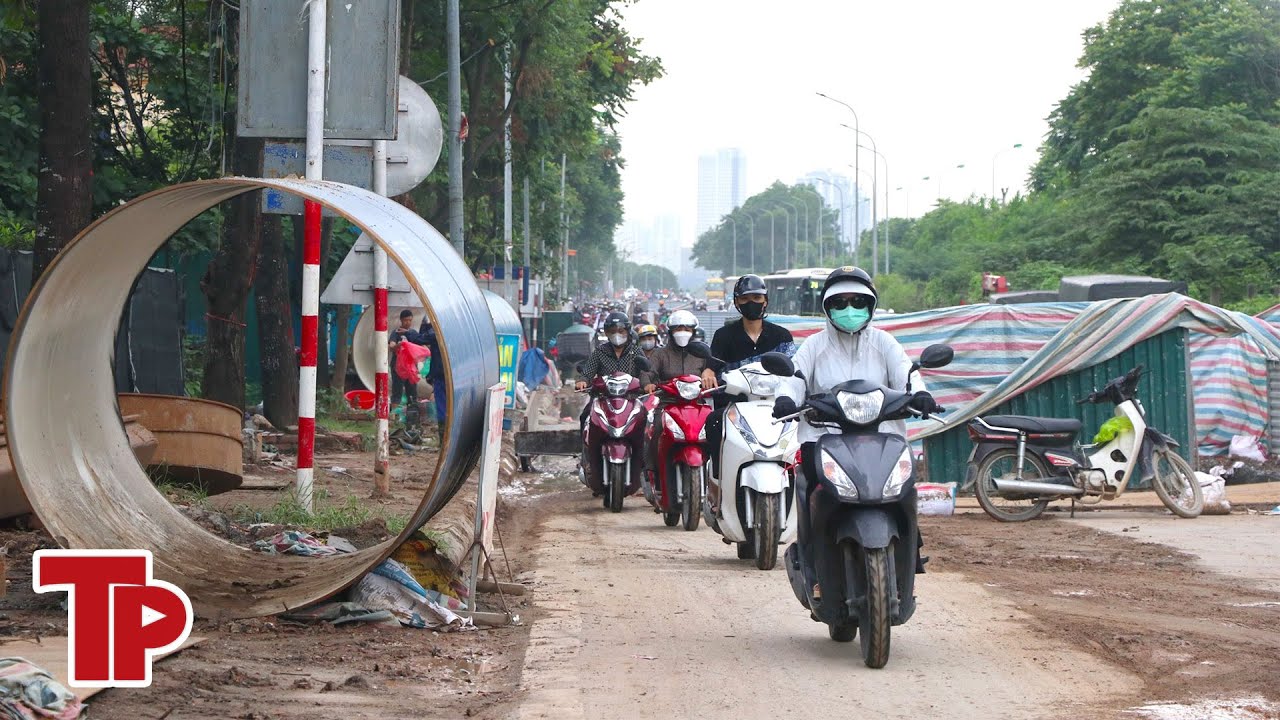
(318, 18)
(382, 381)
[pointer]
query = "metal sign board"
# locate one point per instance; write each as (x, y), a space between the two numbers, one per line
(352, 283)
(363, 58)
(419, 138)
(349, 164)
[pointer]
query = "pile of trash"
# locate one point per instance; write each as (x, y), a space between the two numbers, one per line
(392, 593)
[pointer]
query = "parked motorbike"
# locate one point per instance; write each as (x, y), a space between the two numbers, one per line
(857, 570)
(675, 486)
(750, 500)
(1020, 464)
(611, 438)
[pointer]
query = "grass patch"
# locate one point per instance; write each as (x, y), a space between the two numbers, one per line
(176, 493)
(329, 514)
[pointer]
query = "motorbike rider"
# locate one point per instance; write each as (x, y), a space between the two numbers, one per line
(672, 360)
(847, 348)
(742, 342)
(647, 337)
(619, 354)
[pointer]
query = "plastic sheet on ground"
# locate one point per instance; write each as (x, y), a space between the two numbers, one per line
(30, 693)
(340, 613)
(296, 542)
(391, 587)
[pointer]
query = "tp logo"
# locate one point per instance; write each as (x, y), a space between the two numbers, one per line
(119, 618)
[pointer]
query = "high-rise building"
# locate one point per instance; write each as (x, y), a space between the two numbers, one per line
(722, 186)
(840, 194)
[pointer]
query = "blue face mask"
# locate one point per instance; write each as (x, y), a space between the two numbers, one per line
(851, 319)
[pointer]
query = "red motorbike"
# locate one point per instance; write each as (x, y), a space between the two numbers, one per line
(674, 487)
(612, 438)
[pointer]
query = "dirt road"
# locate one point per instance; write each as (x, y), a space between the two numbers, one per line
(641, 620)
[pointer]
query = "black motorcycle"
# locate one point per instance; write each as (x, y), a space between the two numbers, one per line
(857, 511)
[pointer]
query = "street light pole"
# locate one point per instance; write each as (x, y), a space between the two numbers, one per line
(843, 206)
(857, 164)
(735, 243)
(753, 242)
(793, 230)
(993, 166)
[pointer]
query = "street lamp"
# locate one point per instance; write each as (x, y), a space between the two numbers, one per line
(857, 229)
(993, 166)
(843, 206)
(789, 253)
(753, 242)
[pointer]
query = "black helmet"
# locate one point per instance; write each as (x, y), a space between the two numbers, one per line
(846, 280)
(616, 320)
(749, 285)
(849, 272)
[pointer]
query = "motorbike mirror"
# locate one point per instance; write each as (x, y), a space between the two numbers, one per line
(778, 364)
(936, 356)
(580, 368)
(643, 363)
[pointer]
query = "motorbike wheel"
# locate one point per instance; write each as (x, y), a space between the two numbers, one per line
(874, 622)
(691, 508)
(842, 633)
(671, 519)
(617, 486)
(767, 531)
(1003, 463)
(1176, 485)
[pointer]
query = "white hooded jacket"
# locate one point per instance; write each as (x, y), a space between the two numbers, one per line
(830, 357)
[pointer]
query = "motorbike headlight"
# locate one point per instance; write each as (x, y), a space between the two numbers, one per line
(617, 386)
(838, 477)
(702, 434)
(743, 426)
(689, 390)
(763, 383)
(861, 408)
(901, 473)
(617, 431)
(672, 427)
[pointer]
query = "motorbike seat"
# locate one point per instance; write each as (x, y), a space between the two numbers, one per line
(1035, 425)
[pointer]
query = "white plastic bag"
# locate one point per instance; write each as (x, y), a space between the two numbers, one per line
(1247, 447)
(936, 498)
(1214, 489)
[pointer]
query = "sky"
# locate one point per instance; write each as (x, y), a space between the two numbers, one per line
(935, 83)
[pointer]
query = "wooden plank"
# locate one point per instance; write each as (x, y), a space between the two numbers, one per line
(50, 655)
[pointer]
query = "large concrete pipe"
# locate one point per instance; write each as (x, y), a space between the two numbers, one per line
(68, 444)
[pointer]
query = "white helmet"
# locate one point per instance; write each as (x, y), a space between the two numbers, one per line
(683, 318)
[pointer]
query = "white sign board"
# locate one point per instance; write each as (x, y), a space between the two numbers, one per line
(487, 494)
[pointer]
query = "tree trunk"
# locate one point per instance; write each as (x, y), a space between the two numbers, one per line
(342, 319)
(227, 281)
(64, 193)
(278, 361)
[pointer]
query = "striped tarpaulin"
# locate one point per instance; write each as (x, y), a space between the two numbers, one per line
(1005, 350)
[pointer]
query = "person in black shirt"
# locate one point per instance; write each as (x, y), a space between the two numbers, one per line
(405, 332)
(739, 343)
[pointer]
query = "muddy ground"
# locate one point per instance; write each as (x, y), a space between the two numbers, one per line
(1186, 631)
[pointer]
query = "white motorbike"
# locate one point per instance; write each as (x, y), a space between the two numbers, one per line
(750, 499)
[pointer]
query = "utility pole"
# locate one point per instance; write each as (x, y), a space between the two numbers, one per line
(317, 24)
(564, 224)
(507, 202)
(454, 53)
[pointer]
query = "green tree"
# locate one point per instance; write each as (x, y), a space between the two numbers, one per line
(772, 232)
(1223, 268)
(1179, 175)
(1162, 54)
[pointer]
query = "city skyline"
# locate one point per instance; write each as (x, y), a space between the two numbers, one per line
(722, 186)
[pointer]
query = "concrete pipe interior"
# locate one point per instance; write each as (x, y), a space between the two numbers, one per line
(68, 444)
